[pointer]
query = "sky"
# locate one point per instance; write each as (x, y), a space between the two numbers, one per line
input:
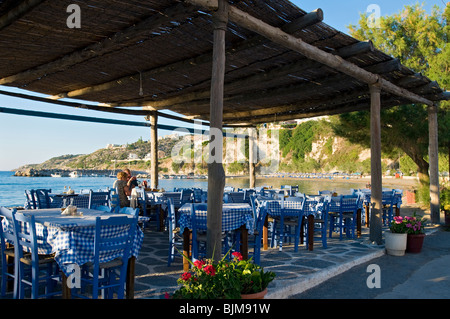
(32, 140)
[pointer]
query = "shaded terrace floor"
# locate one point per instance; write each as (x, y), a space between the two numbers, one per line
(296, 271)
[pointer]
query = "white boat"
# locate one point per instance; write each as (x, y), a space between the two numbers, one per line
(74, 174)
(55, 175)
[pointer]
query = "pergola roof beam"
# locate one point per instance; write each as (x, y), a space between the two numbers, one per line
(311, 52)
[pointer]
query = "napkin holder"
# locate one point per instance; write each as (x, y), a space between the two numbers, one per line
(71, 211)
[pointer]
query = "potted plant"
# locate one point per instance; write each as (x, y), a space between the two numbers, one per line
(445, 204)
(396, 237)
(416, 233)
(226, 279)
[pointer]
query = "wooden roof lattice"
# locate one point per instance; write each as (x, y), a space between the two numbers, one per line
(157, 55)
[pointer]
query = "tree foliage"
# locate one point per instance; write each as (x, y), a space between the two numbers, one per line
(420, 41)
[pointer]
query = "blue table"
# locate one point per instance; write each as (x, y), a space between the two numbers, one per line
(71, 238)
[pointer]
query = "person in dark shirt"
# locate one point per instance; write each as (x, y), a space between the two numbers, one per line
(132, 181)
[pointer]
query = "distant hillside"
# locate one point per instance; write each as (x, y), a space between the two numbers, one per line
(307, 147)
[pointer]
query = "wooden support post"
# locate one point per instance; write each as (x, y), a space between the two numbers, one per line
(375, 171)
(252, 156)
(216, 174)
(434, 163)
(154, 150)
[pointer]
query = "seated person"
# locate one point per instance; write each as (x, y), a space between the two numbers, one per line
(132, 181)
(123, 190)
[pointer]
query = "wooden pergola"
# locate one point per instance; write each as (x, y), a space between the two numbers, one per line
(227, 62)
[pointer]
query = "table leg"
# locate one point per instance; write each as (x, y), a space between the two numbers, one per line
(367, 214)
(266, 233)
(310, 232)
(358, 223)
(130, 278)
(65, 289)
(244, 242)
(161, 219)
(186, 248)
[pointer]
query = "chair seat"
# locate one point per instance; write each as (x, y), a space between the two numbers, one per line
(9, 252)
(43, 259)
(117, 262)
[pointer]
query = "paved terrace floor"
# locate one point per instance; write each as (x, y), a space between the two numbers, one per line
(295, 271)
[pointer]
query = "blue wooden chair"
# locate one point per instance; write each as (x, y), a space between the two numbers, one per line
(198, 228)
(175, 238)
(388, 201)
(42, 198)
(30, 199)
(342, 211)
(82, 200)
(254, 240)
(115, 270)
(286, 218)
(115, 202)
(30, 263)
(186, 196)
(235, 197)
(99, 198)
(310, 207)
(8, 253)
(197, 195)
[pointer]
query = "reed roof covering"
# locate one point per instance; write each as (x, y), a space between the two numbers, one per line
(157, 55)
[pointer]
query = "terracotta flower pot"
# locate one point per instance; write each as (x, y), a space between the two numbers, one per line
(257, 295)
(395, 243)
(414, 243)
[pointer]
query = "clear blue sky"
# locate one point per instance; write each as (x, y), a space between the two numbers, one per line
(28, 140)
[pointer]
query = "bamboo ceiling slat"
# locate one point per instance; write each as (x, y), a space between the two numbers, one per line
(168, 44)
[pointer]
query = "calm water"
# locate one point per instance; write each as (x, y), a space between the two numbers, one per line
(12, 188)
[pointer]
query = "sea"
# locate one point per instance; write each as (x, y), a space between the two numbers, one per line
(12, 188)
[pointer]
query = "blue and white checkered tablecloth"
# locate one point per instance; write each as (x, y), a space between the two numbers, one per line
(72, 238)
(290, 208)
(234, 215)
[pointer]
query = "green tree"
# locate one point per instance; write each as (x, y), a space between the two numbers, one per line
(419, 40)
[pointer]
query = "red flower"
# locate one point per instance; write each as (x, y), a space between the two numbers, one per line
(210, 270)
(237, 255)
(199, 264)
(186, 276)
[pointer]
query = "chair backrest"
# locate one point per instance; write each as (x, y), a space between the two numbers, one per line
(25, 237)
(186, 196)
(235, 197)
(6, 226)
(119, 242)
(176, 198)
(31, 200)
(292, 208)
(334, 204)
(82, 200)
(247, 194)
(199, 214)
(388, 197)
(197, 195)
(129, 211)
(171, 217)
(99, 198)
(42, 198)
